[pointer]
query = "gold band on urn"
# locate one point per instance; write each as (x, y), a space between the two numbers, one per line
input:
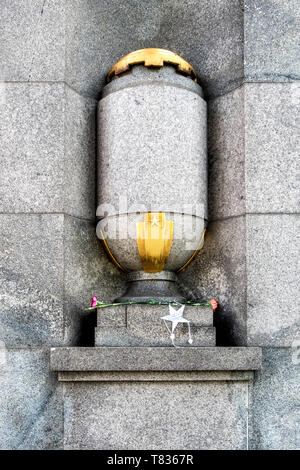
(152, 57)
(154, 240)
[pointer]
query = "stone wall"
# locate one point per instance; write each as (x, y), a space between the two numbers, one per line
(249, 261)
(56, 54)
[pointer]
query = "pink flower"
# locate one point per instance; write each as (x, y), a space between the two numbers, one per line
(94, 302)
(214, 304)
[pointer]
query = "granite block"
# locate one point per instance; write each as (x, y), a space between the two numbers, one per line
(197, 315)
(49, 130)
(219, 272)
(145, 415)
(271, 147)
(118, 390)
(87, 272)
(33, 40)
(154, 334)
(32, 142)
(155, 359)
(226, 155)
(274, 402)
(112, 317)
(80, 155)
(272, 280)
(141, 325)
(262, 147)
(148, 329)
(51, 266)
(31, 408)
(114, 336)
(209, 36)
(271, 31)
(31, 286)
(155, 376)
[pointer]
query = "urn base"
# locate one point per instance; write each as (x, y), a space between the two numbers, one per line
(144, 286)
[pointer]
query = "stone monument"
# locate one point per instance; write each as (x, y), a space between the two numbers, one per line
(134, 389)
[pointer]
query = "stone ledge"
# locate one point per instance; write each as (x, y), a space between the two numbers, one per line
(156, 376)
(155, 359)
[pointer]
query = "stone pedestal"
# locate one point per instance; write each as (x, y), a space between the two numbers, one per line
(155, 398)
(141, 325)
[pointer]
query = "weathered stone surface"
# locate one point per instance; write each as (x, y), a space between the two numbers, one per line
(141, 325)
(252, 139)
(197, 315)
(201, 412)
(49, 130)
(32, 138)
(199, 415)
(80, 155)
(125, 315)
(32, 40)
(51, 266)
(31, 298)
(154, 334)
(271, 146)
(219, 271)
(226, 155)
(87, 272)
(31, 408)
(271, 40)
(36, 50)
(112, 317)
(274, 402)
(154, 376)
(144, 148)
(153, 359)
(272, 280)
(209, 36)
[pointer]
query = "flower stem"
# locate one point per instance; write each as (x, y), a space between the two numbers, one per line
(149, 302)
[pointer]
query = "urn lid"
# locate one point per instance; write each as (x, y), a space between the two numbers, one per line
(152, 57)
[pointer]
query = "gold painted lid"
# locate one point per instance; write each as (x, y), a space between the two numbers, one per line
(152, 58)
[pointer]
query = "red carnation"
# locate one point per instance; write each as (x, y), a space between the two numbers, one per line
(214, 304)
(94, 302)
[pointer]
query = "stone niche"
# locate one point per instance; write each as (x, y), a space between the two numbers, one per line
(134, 389)
(55, 58)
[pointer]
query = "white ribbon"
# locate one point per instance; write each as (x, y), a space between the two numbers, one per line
(175, 317)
